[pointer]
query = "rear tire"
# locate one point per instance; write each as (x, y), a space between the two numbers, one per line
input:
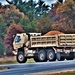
(71, 56)
(36, 57)
(59, 57)
(42, 56)
(51, 56)
(21, 58)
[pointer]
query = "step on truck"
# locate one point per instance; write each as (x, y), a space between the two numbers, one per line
(43, 48)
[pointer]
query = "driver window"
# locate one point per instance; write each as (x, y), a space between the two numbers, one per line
(17, 39)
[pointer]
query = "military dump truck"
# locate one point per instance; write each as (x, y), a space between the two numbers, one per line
(43, 48)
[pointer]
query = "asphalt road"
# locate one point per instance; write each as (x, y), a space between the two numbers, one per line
(28, 68)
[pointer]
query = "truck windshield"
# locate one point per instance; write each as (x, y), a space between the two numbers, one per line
(17, 39)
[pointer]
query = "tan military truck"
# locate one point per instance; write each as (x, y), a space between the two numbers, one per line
(43, 48)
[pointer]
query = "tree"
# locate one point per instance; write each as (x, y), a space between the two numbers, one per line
(54, 10)
(31, 7)
(8, 15)
(27, 25)
(1, 48)
(12, 31)
(64, 18)
(41, 9)
(44, 24)
(12, 15)
(2, 28)
(15, 2)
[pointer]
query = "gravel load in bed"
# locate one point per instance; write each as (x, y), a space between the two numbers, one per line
(53, 33)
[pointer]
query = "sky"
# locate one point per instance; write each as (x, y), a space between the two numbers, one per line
(46, 1)
(49, 2)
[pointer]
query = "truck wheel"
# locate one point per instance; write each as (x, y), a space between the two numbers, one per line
(42, 56)
(21, 58)
(71, 56)
(36, 57)
(51, 56)
(59, 57)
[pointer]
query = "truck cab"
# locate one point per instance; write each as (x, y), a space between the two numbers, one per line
(20, 40)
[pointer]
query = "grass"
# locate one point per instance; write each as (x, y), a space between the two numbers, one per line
(58, 74)
(8, 60)
(72, 72)
(3, 68)
(12, 60)
(30, 61)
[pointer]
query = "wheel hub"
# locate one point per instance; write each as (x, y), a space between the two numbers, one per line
(42, 56)
(20, 57)
(50, 55)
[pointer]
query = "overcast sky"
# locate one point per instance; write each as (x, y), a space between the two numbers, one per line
(46, 1)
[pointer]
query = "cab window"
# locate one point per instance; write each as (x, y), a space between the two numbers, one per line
(17, 39)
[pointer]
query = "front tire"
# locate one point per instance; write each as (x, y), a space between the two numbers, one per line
(21, 58)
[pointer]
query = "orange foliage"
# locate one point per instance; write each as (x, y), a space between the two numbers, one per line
(10, 8)
(14, 9)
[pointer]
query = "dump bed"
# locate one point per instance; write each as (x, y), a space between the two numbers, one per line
(66, 40)
(43, 41)
(60, 40)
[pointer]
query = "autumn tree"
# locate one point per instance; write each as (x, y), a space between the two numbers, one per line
(53, 10)
(12, 31)
(11, 15)
(64, 18)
